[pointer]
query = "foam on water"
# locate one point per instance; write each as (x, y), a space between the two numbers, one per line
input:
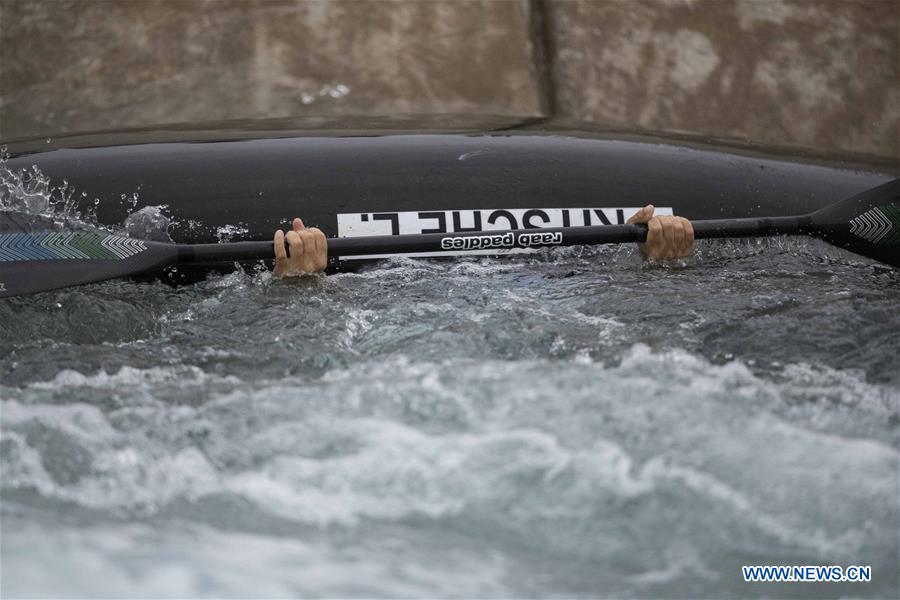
(672, 453)
(568, 423)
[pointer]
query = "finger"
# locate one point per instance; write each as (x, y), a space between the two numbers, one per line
(678, 236)
(320, 243)
(654, 231)
(321, 248)
(668, 228)
(297, 224)
(688, 234)
(296, 246)
(655, 242)
(305, 262)
(280, 253)
(641, 216)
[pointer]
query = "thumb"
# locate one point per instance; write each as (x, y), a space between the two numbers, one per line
(642, 216)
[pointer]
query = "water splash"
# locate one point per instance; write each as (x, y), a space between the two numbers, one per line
(228, 233)
(25, 190)
(31, 191)
(149, 223)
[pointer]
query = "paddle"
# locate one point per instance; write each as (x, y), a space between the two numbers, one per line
(36, 256)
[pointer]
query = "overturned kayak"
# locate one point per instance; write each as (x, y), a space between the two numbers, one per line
(246, 182)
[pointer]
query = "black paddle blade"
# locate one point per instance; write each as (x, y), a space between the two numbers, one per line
(35, 255)
(866, 224)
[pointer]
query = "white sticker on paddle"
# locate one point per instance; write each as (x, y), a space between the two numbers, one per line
(487, 219)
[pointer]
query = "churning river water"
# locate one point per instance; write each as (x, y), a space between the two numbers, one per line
(571, 423)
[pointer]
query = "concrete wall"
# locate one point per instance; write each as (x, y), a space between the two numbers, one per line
(70, 65)
(815, 73)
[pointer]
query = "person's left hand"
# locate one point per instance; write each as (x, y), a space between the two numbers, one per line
(308, 251)
(667, 236)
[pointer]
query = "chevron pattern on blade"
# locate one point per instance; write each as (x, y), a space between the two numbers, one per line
(892, 212)
(66, 246)
(123, 247)
(24, 246)
(60, 243)
(879, 225)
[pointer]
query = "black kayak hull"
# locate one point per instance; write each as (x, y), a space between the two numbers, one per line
(367, 183)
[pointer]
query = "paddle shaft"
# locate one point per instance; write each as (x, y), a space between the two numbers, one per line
(519, 238)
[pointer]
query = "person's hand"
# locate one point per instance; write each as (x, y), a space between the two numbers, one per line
(308, 251)
(667, 236)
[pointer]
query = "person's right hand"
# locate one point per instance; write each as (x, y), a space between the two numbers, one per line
(667, 236)
(308, 251)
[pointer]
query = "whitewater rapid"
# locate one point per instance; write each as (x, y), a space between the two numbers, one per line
(570, 423)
